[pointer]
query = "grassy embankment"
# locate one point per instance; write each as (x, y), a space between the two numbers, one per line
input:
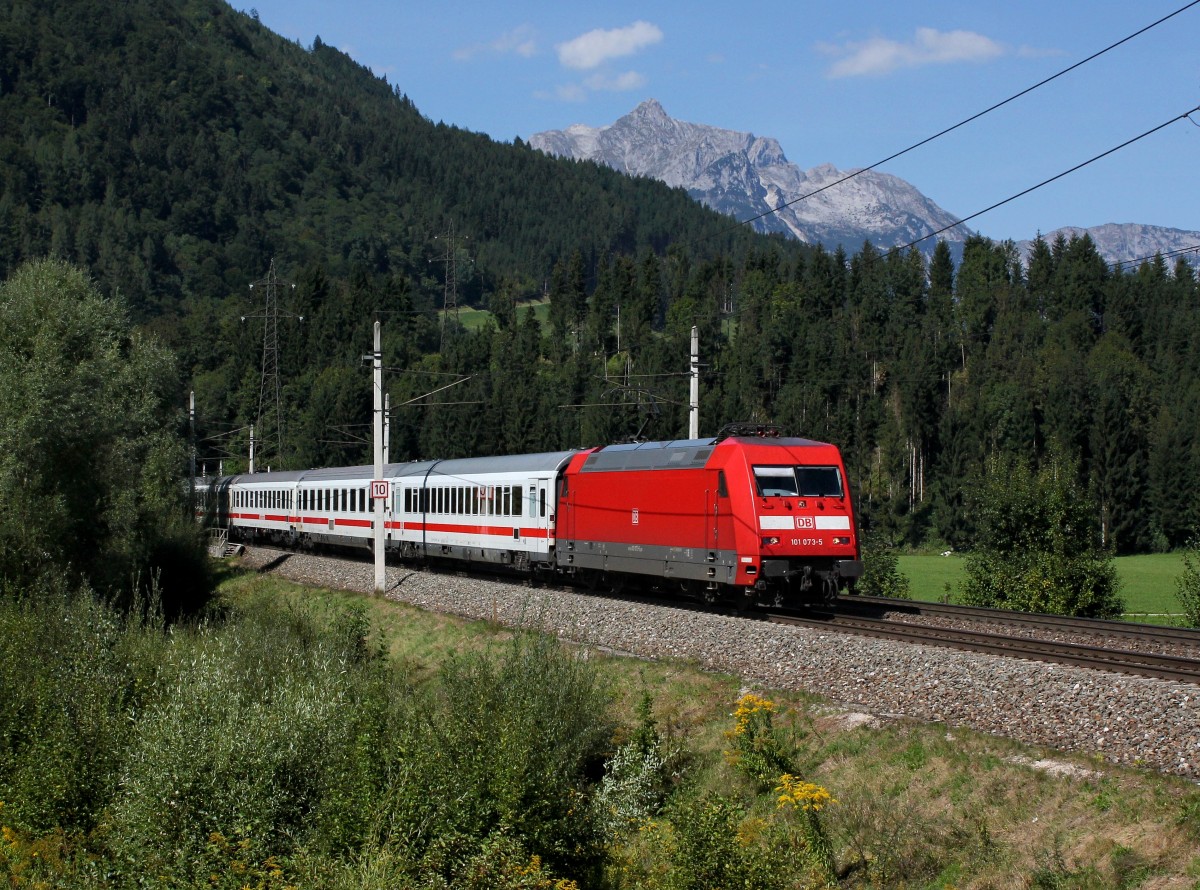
(1147, 582)
(311, 738)
(918, 805)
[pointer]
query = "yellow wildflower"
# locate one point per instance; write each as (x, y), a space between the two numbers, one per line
(807, 796)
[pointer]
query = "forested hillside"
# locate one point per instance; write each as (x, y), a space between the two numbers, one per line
(173, 149)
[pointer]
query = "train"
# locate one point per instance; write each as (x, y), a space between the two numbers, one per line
(745, 515)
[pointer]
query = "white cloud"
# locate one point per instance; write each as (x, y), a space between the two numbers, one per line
(519, 41)
(928, 47)
(596, 47)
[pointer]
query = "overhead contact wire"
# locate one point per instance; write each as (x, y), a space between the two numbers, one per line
(973, 117)
(1079, 166)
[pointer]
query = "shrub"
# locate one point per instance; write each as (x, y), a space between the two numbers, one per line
(1187, 585)
(255, 725)
(67, 694)
(1038, 545)
(882, 575)
(807, 800)
(507, 748)
(713, 844)
(758, 748)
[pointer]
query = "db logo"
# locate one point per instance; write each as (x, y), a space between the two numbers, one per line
(806, 522)
(635, 516)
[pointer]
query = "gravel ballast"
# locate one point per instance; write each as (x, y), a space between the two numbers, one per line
(1127, 720)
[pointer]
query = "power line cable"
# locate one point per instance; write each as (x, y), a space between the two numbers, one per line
(1079, 166)
(1179, 251)
(973, 117)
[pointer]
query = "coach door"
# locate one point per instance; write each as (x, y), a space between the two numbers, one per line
(538, 515)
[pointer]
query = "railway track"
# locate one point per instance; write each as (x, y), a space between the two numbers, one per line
(852, 617)
(864, 616)
(1095, 627)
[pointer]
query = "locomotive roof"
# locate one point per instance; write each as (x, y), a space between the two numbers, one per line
(677, 455)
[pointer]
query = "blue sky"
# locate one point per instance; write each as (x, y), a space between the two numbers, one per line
(843, 83)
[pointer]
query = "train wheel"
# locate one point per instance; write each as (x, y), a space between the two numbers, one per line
(830, 590)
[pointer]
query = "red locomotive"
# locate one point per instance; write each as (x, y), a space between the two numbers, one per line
(739, 515)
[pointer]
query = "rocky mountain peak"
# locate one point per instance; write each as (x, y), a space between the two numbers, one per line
(746, 176)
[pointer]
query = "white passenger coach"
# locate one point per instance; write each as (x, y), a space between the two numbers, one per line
(494, 509)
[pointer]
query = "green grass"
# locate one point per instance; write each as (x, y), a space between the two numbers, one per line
(930, 573)
(1147, 581)
(473, 319)
(919, 805)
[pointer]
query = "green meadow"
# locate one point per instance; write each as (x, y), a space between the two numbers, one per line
(1147, 581)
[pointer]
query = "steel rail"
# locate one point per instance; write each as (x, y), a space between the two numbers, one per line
(1144, 664)
(1093, 626)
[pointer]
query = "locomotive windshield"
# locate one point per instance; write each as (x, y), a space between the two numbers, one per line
(804, 482)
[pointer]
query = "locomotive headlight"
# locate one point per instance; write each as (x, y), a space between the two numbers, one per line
(841, 540)
(767, 542)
